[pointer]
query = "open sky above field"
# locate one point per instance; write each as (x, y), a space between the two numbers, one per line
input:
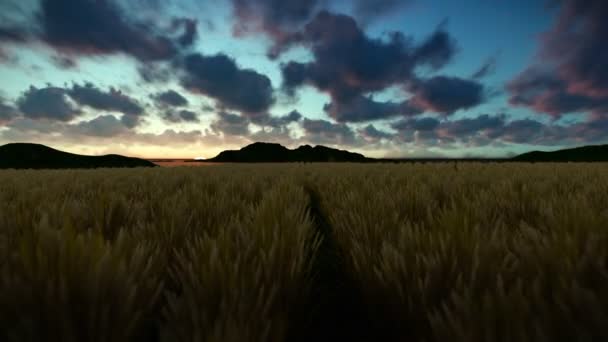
(394, 78)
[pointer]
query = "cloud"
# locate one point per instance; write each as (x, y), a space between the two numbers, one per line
(437, 50)
(486, 69)
(180, 116)
(219, 77)
(522, 131)
(190, 30)
(275, 128)
(482, 124)
(532, 132)
(12, 34)
(54, 103)
(154, 72)
(363, 108)
(101, 126)
(480, 130)
(271, 126)
(7, 112)
(570, 74)
(91, 27)
(274, 17)
(100, 132)
(279, 18)
(348, 63)
(372, 134)
(268, 120)
(367, 10)
(64, 62)
(47, 103)
(416, 124)
(292, 116)
(112, 100)
(486, 129)
(446, 95)
(231, 124)
(349, 66)
(98, 27)
(13, 19)
(545, 93)
(170, 98)
(326, 132)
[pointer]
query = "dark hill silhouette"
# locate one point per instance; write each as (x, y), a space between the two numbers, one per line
(36, 156)
(598, 153)
(276, 153)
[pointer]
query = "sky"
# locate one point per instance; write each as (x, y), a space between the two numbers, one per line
(386, 78)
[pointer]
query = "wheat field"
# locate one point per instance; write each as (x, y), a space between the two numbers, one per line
(306, 252)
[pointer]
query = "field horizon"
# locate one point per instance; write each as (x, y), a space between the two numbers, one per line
(37, 156)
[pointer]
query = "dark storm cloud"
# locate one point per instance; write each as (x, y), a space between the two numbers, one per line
(362, 109)
(188, 116)
(171, 98)
(371, 133)
(536, 133)
(47, 103)
(293, 116)
(64, 62)
(278, 18)
(100, 27)
(7, 112)
(416, 124)
(14, 19)
(545, 93)
(278, 121)
(273, 127)
(446, 95)
(571, 73)
(190, 31)
(180, 116)
(481, 130)
(231, 124)
(112, 100)
(522, 131)
(219, 77)
(349, 65)
(487, 129)
(131, 121)
(367, 10)
(53, 103)
(272, 16)
(325, 132)
(102, 126)
(154, 72)
(437, 50)
(469, 126)
(12, 34)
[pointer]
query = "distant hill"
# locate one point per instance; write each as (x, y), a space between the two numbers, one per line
(36, 156)
(276, 153)
(598, 153)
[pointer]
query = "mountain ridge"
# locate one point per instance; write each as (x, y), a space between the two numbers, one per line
(38, 156)
(589, 153)
(262, 152)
